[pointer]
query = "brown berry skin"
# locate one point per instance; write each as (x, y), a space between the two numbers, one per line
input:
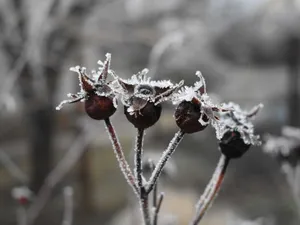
(99, 107)
(232, 145)
(144, 117)
(187, 116)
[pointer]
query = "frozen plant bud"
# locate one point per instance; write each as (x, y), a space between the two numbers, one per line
(195, 109)
(285, 148)
(237, 130)
(22, 194)
(142, 98)
(97, 94)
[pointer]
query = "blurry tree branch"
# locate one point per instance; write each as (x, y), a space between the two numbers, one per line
(71, 157)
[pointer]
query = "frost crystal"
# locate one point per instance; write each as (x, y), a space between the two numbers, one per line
(283, 145)
(197, 94)
(241, 121)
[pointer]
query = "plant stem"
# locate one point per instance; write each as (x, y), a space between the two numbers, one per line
(120, 156)
(144, 202)
(211, 190)
(157, 208)
(138, 172)
(164, 159)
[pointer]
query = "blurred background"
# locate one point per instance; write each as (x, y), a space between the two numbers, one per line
(248, 52)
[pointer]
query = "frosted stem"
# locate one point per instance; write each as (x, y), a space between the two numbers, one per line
(211, 190)
(138, 172)
(164, 159)
(138, 150)
(144, 202)
(157, 208)
(124, 166)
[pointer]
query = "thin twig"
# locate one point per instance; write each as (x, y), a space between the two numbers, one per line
(157, 209)
(120, 156)
(164, 159)
(69, 205)
(12, 168)
(211, 190)
(154, 194)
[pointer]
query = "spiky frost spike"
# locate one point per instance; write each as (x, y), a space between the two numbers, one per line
(253, 112)
(106, 66)
(201, 84)
(85, 82)
(142, 75)
(77, 99)
(166, 95)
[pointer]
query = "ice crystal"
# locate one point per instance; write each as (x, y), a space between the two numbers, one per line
(197, 94)
(239, 120)
(283, 145)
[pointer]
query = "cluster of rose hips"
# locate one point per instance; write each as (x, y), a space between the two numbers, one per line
(142, 98)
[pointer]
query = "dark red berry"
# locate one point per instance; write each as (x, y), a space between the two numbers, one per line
(145, 114)
(23, 200)
(232, 145)
(99, 107)
(187, 116)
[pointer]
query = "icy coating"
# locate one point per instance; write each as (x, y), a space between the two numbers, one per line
(141, 86)
(241, 121)
(282, 145)
(198, 95)
(96, 83)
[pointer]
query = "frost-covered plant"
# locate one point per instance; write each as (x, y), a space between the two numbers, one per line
(142, 98)
(286, 149)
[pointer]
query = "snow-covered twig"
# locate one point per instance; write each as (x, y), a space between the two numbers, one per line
(12, 168)
(124, 166)
(212, 190)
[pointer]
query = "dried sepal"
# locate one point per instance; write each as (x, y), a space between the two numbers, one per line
(97, 94)
(142, 97)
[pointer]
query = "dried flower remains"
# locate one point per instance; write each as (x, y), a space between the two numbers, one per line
(237, 130)
(97, 94)
(142, 98)
(195, 109)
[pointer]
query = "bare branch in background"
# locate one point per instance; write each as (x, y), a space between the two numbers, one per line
(63, 167)
(12, 168)
(69, 205)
